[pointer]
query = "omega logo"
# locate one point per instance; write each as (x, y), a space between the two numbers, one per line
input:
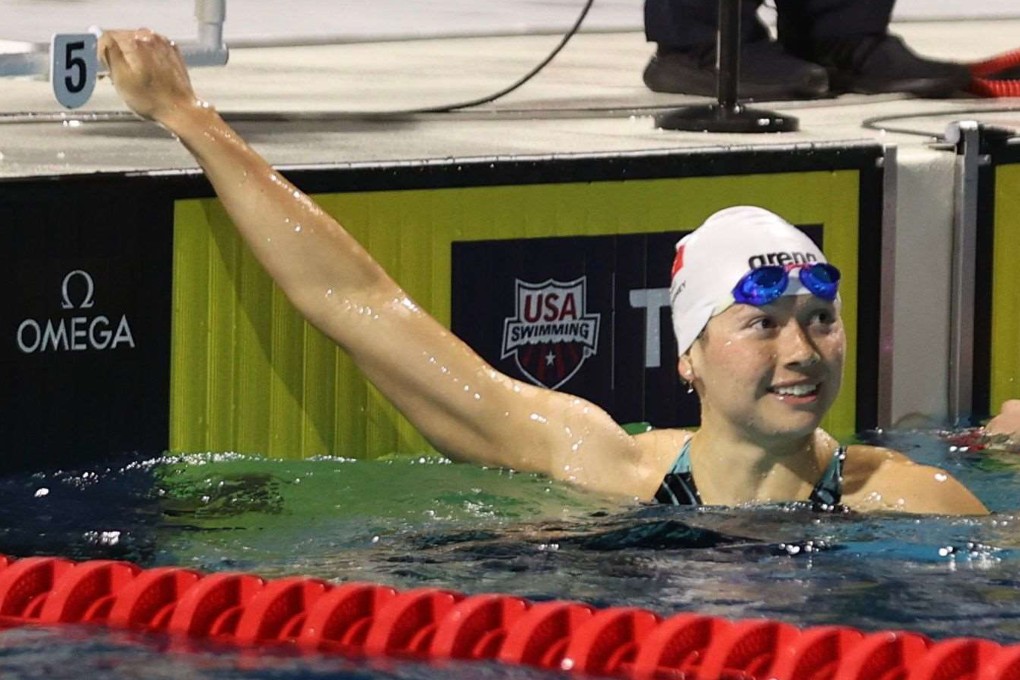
(79, 332)
(90, 289)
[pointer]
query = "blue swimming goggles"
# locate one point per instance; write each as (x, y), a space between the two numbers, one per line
(766, 284)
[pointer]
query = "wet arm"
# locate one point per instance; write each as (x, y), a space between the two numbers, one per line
(461, 404)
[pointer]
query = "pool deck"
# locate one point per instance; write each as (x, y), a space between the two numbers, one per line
(590, 99)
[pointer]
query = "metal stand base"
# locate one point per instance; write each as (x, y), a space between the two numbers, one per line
(717, 118)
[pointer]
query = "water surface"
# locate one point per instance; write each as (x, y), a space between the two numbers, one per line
(420, 521)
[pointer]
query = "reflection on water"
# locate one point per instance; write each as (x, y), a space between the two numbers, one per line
(411, 522)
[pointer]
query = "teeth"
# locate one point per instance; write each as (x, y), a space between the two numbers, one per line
(795, 390)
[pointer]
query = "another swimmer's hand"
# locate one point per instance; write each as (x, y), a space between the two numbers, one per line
(1007, 423)
(148, 72)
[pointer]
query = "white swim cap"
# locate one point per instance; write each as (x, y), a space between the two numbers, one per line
(715, 256)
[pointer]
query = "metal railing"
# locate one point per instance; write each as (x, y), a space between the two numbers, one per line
(208, 50)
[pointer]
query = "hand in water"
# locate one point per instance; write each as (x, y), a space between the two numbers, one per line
(1007, 423)
(148, 71)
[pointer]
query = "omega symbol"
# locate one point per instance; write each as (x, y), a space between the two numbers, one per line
(90, 289)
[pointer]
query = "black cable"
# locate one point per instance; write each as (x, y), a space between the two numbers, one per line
(875, 123)
(507, 90)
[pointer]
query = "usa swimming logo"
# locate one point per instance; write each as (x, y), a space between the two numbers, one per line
(552, 333)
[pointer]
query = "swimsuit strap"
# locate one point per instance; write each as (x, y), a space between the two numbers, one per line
(829, 489)
(678, 488)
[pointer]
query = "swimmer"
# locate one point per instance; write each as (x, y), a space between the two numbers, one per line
(762, 346)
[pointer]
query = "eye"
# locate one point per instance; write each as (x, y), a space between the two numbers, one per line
(763, 323)
(824, 316)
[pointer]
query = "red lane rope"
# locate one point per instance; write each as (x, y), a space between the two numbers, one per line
(365, 619)
(986, 85)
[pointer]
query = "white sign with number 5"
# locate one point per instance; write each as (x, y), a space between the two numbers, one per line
(73, 68)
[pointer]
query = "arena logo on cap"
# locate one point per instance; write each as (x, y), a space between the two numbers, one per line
(552, 333)
(781, 258)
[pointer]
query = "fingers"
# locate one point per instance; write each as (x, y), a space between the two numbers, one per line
(108, 50)
(147, 70)
(130, 46)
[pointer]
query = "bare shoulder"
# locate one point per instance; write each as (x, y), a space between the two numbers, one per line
(880, 479)
(659, 448)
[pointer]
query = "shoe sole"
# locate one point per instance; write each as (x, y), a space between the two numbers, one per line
(932, 88)
(705, 84)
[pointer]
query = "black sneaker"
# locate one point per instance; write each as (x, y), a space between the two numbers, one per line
(883, 63)
(766, 73)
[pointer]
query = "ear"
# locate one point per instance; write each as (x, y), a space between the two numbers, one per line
(685, 368)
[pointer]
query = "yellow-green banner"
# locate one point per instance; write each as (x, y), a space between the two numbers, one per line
(248, 374)
(1005, 330)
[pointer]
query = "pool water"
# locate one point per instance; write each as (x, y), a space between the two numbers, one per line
(411, 522)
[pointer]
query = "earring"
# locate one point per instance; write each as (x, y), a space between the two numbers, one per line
(690, 388)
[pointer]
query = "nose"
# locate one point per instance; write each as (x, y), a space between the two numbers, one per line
(796, 348)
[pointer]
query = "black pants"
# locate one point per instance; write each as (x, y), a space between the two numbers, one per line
(678, 24)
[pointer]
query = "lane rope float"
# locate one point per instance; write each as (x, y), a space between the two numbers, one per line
(430, 624)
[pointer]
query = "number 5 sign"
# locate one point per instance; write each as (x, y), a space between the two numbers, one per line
(73, 67)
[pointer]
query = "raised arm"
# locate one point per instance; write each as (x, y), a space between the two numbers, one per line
(463, 406)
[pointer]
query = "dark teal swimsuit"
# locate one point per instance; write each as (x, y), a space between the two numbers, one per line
(678, 487)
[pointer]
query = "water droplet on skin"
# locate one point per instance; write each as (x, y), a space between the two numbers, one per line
(538, 418)
(941, 476)
(329, 292)
(297, 229)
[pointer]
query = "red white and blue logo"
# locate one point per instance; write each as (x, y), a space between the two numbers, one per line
(552, 333)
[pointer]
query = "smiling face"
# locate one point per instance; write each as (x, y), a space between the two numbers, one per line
(770, 372)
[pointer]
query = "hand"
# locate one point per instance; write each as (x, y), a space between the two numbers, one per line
(148, 72)
(1007, 422)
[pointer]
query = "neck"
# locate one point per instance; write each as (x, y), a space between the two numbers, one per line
(730, 467)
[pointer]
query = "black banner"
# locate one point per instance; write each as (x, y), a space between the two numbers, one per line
(84, 326)
(587, 315)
